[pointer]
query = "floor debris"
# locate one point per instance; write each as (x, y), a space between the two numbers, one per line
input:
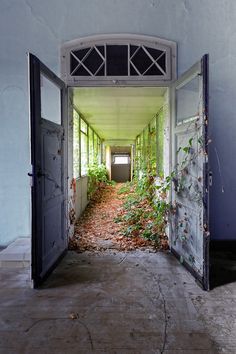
(97, 230)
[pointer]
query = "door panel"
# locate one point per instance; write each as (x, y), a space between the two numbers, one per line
(49, 169)
(189, 194)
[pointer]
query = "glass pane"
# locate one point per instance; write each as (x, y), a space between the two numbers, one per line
(75, 67)
(187, 100)
(81, 71)
(99, 151)
(93, 61)
(117, 60)
(160, 143)
(121, 160)
(83, 126)
(153, 145)
(50, 100)
(91, 152)
(141, 60)
(153, 70)
(84, 154)
(95, 148)
(155, 53)
(76, 147)
(146, 142)
(103, 153)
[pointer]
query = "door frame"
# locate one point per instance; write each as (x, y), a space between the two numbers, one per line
(67, 112)
(203, 282)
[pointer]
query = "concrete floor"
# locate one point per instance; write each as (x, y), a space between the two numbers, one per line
(114, 302)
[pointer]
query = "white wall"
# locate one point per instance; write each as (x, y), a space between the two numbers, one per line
(81, 198)
(42, 26)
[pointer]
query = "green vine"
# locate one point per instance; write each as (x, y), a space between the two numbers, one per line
(147, 207)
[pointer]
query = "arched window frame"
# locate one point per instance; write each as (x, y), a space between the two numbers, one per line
(169, 47)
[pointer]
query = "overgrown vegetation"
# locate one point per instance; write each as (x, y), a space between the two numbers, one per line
(97, 178)
(146, 208)
(143, 213)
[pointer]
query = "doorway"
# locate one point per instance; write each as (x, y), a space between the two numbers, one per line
(121, 164)
(128, 66)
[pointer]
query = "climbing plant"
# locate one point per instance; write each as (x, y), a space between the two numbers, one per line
(147, 207)
(142, 215)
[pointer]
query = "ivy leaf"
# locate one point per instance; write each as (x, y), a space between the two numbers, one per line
(158, 187)
(186, 149)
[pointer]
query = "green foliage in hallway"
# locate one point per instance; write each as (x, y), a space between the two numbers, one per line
(97, 176)
(145, 210)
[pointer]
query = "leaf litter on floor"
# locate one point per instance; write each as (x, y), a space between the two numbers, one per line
(97, 229)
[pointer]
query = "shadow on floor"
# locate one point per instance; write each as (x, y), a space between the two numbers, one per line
(81, 269)
(223, 267)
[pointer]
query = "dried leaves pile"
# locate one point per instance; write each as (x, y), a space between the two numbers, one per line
(97, 230)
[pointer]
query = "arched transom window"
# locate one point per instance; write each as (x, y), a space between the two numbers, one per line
(113, 59)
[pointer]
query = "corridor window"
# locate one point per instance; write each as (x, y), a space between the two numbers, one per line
(76, 145)
(91, 148)
(87, 146)
(153, 145)
(122, 60)
(121, 160)
(160, 143)
(84, 146)
(99, 157)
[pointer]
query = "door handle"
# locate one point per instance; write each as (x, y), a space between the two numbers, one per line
(39, 174)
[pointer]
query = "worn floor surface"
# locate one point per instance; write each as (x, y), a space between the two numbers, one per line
(96, 229)
(115, 302)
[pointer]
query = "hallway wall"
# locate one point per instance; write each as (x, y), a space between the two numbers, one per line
(81, 199)
(42, 26)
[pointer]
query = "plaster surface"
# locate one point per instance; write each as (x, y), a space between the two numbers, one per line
(113, 302)
(41, 27)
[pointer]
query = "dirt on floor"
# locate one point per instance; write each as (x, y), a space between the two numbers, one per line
(97, 230)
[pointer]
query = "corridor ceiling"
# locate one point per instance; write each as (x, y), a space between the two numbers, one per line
(118, 114)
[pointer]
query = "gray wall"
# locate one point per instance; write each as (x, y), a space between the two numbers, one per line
(42, 26)
(81, 197)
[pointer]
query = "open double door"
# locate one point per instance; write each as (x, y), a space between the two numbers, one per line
(189, 236)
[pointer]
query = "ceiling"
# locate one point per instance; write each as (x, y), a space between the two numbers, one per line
(118, 114)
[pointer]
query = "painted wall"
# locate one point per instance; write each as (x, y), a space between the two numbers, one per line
(42, 26)
(81, 199)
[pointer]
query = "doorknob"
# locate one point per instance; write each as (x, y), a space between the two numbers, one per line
(39, 174)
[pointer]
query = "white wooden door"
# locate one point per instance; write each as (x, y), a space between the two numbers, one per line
(190, 196)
